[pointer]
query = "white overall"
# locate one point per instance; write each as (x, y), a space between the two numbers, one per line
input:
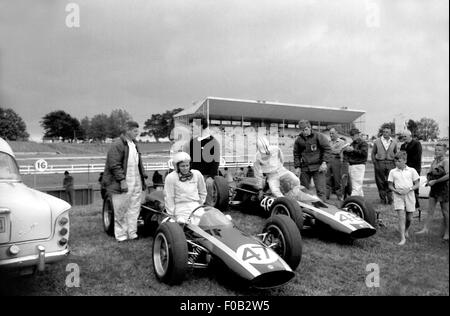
(127, 205)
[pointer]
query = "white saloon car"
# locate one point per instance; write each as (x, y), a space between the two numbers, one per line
(34, 226)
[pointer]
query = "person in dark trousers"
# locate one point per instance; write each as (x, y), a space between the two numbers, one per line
(383, 153)
(413, 149)
(204, 150)
(437, 180)
(334, 172)
(311, 155)
(157, 179)
(68, 186)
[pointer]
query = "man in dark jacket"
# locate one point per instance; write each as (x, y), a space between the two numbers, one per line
(124, 180)
(311, 154)
(356, 155)
(413, 149)
(204, 150)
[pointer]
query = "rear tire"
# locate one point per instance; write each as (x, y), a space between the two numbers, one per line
(170, 253)
(361, 208)
(221, 193)
(290, 208)
(283, 231)
(108, 216)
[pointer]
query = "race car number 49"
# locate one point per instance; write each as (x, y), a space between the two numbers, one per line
(348, 217)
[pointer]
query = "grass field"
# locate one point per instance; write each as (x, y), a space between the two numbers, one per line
(330, 264)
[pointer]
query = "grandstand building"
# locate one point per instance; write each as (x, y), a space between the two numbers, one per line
(236, 123)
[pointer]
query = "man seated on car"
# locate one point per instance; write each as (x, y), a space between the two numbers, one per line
(282, 182)
(184, 189)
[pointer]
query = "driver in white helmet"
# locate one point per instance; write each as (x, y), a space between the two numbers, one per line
(184, 189)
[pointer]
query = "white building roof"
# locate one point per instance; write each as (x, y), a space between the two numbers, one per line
(235, 109)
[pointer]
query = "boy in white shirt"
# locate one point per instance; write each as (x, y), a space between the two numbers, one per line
(403, 180)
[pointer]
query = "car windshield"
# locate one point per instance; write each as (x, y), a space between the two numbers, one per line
(8, 168)
(213, 217)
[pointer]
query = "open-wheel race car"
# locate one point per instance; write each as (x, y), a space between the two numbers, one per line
(220, 200)
(208, 236)
(355, 217)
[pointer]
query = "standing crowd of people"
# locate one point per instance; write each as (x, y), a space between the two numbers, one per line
(334, 165)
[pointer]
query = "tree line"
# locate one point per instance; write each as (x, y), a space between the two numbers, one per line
(423, 129)
(61, 125)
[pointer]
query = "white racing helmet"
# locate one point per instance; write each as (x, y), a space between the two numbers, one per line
(264, 147)
(180, 156)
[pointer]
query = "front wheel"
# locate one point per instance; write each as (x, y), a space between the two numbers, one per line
(170, 253)
(360, 207)
(108, 216)
(284, 238)
(288, 207)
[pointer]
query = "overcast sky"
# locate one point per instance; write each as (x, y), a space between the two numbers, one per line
(389, 58)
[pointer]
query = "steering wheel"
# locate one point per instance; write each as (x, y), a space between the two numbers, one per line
(195, 209)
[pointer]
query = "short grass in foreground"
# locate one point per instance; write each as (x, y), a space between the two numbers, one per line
(330, 264)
